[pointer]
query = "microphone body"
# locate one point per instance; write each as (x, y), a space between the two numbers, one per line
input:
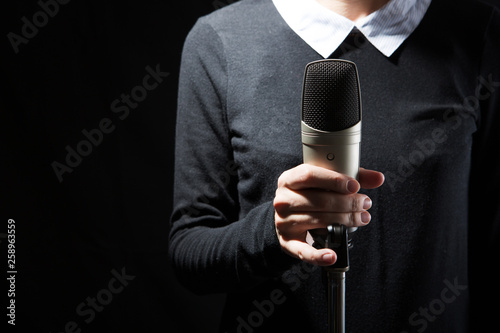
(338, 151)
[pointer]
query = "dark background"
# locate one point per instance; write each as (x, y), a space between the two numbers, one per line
(110, 215)
(112, 211)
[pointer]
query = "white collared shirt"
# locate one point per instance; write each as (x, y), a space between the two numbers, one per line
(324, 30)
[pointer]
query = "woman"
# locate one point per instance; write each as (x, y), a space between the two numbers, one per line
(244, 202)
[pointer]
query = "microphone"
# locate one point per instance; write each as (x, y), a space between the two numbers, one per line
(331, 116)
(331, 137)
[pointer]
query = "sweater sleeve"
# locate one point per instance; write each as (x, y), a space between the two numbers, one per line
(484, 209)
(212, 247)
(485, 172)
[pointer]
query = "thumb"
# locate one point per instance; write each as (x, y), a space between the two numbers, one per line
(307, 253)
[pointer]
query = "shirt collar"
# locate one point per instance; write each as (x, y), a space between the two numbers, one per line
(324, 30)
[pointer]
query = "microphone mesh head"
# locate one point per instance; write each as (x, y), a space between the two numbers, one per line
(331, 98)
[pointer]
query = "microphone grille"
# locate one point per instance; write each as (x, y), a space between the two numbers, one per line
(331, 97)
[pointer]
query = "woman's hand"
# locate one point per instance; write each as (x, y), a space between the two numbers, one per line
(310, 197)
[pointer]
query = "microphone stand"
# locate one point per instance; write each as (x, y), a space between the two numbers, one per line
(337, 240)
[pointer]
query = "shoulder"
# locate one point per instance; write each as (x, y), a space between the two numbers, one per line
(474, 14)
(245, 29)
(460, 26)
(238, 13)
(237, 21)
(462, 14)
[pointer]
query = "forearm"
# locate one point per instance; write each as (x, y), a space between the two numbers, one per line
(226, 257)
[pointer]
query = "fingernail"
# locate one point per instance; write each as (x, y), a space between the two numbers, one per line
(352, 186)
(327, 258)
(365, 217)
(367, 203)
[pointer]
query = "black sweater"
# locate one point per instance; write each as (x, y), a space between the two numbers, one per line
(430, 123)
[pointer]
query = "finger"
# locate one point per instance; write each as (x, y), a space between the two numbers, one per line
(369, 179)
(307, 176)
(313, 200)
(299, 223)
(307, 253)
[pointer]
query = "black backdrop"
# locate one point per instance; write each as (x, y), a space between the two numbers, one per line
(87, 121)
(91, 243)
